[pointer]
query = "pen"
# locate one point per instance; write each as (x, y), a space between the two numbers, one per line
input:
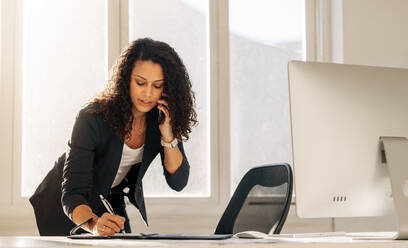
(108, 207)
(76, 228)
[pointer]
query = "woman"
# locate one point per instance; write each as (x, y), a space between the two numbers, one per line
(146, 109)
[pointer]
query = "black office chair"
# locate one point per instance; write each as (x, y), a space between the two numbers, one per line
(261, 201)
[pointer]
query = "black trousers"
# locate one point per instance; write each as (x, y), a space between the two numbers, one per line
(116, 197)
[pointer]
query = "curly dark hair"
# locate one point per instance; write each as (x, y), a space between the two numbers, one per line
(115, 104)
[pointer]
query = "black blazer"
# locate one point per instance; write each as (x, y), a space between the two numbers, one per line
(88, 169)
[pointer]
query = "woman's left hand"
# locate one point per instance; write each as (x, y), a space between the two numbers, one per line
(165, 127)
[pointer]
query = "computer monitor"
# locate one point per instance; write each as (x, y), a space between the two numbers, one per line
(338, 112)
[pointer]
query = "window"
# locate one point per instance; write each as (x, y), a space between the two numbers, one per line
(63, 66)
(264, 37)
(61, 51)
(56, 36)
(64, 60)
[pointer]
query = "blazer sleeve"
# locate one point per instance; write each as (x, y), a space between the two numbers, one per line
(78, 168)
(178, 180)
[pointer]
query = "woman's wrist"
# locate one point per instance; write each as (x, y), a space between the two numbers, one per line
(92, 224)
(82, 213)
(167, 139)
(171, 144)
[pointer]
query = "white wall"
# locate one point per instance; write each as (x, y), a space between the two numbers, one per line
(375, 32)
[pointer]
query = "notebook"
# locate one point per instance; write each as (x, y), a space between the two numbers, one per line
(154, 236)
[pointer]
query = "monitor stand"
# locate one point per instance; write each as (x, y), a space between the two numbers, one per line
(394, 152)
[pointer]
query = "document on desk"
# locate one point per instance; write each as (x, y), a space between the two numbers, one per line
(155, 236)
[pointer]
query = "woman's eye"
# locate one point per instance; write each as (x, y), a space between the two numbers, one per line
(139, 83)
(158, 86)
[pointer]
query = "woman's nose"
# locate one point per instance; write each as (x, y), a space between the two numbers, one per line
(148, 91)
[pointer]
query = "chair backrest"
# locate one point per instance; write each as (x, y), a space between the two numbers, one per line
(260, 202)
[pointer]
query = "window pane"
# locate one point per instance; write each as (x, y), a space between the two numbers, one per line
(264, 36)
(63, 67)
(183, 25)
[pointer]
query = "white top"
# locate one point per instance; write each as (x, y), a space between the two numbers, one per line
(129, 157)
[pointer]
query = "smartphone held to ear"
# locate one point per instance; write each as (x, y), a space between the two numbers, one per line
(161, 114)
(161, 117)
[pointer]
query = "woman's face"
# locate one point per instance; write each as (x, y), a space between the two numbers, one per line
(146, 86)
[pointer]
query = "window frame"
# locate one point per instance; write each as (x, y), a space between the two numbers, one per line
(7, 96)
(117, 36)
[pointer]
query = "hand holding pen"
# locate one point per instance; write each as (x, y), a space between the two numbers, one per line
(109, 223)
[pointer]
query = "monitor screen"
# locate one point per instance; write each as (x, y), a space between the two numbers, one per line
(338, 113)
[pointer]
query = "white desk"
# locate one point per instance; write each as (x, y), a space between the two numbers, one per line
(63, 242)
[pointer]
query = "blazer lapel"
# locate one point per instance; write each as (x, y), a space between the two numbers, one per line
(151, 147)
(152, 141)
(118, 144)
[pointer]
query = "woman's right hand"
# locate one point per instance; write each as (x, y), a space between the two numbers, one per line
(108, 224)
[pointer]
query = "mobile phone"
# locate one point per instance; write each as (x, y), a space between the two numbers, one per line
(161, 114)
(161, 117)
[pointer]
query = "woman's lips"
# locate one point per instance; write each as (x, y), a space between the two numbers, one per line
(145, 102)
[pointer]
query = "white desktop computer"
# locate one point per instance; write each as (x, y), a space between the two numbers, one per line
(338, 114)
